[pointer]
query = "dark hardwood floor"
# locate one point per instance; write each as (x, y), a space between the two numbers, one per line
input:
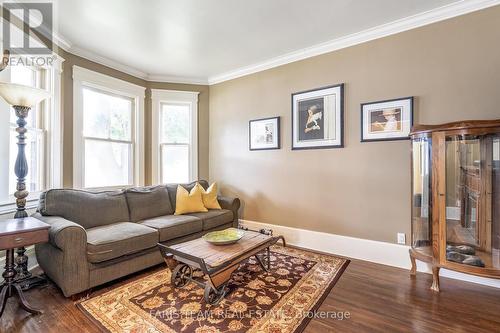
(378, 298)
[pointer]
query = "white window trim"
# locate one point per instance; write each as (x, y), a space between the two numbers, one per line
(53, 154)
(159, 96)
(85, 77)
(56, 128)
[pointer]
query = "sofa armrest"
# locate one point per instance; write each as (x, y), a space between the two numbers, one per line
(229, 203)
(232, 204)
(64, 233)
(64, 257)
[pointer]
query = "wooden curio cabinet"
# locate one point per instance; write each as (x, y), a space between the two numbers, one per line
(456, 198)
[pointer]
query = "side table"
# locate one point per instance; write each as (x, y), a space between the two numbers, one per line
(15, 233)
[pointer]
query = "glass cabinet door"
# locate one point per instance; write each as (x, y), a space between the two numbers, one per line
(421, 211)
(472, 200)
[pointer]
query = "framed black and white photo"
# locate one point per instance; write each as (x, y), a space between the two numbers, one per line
(318, 118)
(387, 120)
(264, 134)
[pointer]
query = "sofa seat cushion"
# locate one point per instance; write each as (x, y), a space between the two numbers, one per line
(173, 226)
(118, 239)
(214, 217)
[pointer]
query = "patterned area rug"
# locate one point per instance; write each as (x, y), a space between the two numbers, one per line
(281, 300)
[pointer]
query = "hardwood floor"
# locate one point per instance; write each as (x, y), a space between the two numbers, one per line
(378, 298)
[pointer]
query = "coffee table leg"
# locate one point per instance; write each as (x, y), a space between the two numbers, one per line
(214, 295)
(266, 263)
(261, 263)
(181, 275)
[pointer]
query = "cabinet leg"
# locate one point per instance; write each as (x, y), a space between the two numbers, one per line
(435, 278)
(413, 270)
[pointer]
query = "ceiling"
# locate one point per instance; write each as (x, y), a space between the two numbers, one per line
(200, 40)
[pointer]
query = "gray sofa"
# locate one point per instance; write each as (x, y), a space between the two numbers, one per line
(96, 237)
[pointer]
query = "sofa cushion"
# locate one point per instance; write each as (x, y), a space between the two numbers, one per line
(88, 209)
(118, 239)
(189, 202)
(148, 202)
(209, 197)
(173, 226)
(172, 189)
(214, 218)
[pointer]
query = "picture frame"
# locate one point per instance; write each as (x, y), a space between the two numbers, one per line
(318, 118)
(387, 120)
(264, 134)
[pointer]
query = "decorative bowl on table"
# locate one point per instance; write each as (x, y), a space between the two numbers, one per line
(224, 237)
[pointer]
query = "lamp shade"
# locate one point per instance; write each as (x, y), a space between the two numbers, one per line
(21, 95)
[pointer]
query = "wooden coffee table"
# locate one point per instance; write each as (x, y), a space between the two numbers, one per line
(218, 262)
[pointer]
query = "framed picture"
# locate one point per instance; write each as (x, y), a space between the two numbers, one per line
(387, 120)
(264, 134)
(318, 118)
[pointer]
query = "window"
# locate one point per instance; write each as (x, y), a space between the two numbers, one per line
(174, 136)
(107, 131)
(175, 133)
(108, 141)
(43, 148)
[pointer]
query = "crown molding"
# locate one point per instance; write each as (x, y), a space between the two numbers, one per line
(61, 42)
(133, 71)
(177, 79)
(81, 52)
(384, 30)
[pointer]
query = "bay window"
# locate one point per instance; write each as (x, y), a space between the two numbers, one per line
(108, 122)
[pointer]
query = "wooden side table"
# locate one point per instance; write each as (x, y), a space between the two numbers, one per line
(15, 233)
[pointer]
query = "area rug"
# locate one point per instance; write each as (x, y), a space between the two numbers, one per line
(281, 300)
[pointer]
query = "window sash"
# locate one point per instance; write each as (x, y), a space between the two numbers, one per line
(108, 140)
(189, 147)
(116, 95)
(161, 139)
(130, 162)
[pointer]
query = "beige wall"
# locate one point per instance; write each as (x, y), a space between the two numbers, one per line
(67, 106)
(362, 190)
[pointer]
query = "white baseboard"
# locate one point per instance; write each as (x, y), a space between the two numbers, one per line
(363, 249)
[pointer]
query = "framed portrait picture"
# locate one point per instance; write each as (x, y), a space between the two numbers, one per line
(318, 118)
(264, 134)
(387, 120)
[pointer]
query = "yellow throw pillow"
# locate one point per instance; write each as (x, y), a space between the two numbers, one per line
(189, 202)
(209, 197)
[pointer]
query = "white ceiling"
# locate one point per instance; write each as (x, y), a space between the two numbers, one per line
(196, 40)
